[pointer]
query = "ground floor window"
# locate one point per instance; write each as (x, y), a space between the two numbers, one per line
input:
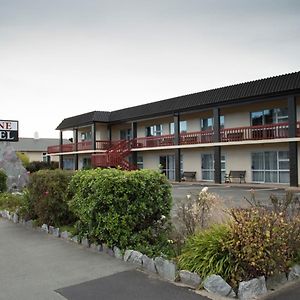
(68, 163)
(140, 162)
(208, 168)
(86, 163)
(167, 165)
(270, 167)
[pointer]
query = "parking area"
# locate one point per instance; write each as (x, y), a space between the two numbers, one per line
(231, 195)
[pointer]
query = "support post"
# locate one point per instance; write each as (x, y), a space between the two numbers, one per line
(293, 146)
(94, 136)
(76, 149)
(61, 159)
(177, 150)
(217, 149)
(134, 136)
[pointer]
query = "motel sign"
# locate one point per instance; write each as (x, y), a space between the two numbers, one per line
(9, 131)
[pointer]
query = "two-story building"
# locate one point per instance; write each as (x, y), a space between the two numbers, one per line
(252, 126)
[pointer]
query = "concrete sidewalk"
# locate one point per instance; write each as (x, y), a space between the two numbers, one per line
(33, 265)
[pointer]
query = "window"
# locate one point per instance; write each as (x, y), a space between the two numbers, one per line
(208, 123)
(167, 165)
(86, 136)
(125, 134)
(45, 157)
(154, 130)
(269, 116)
(183, 127)
(86, 163)
(208, 168)
(270, 167)
(140, 162)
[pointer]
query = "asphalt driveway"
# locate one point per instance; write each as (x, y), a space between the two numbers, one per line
(34, 265)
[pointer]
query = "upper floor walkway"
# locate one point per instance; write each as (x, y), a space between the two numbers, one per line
(236, 135)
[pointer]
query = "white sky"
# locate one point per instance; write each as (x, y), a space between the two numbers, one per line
(60, 58)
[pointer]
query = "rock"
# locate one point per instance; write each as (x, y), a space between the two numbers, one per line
(136, 258)
(65, 235)
(56, 232)
(45, 228)
(110, 252)
(191, 279)
(294, 273)
(85, 242)
(127, 254)
(17, 176)
(100, 248)
(148, 264)
(165, 268)
(217, 285)
(117, 252)
(15, 218)
(276, 281)
(74, 239)
(252, 288)
(51, 229)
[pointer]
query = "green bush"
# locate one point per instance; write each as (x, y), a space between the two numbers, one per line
(48, 197)
(35, 166)
(3, 178)
(205, 253)
(11, 202)
(124, 209)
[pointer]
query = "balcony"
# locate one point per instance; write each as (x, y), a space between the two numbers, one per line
(250, 133)
(81, 146)
(237, 134)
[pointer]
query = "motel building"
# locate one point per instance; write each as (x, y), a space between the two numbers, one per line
(253, 127)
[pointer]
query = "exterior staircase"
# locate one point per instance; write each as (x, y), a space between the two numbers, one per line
(114, 157)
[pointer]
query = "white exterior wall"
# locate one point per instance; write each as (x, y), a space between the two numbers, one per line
(236, 157)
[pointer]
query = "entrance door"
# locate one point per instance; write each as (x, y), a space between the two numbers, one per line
(167, 163)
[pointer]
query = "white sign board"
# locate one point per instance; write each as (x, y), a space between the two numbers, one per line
(9, 131)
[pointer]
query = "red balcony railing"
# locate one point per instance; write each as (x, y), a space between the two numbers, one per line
(81, 146)
(197, 137)
(261, 132)
(154, 141)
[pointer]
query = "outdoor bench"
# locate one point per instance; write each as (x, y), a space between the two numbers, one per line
(189, 175)
(235, 174)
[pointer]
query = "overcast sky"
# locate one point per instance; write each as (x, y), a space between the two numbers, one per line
(60, 58)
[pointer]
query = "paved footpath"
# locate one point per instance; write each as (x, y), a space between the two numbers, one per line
(34, 265)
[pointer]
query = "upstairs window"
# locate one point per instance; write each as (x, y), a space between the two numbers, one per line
(154, 130)
(86, 136)
(208, 123)
(269, 116)
(183, 127)
(125, 134)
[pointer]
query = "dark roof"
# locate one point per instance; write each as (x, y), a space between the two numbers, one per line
(33, 145)
(84, 119)
(262, 88)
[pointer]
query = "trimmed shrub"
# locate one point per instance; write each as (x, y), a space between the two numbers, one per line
(3, 184)
(124, 209)
(205, 253)
(35, 166)
(48, 197)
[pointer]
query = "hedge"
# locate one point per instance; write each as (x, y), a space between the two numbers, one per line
(121, 208)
